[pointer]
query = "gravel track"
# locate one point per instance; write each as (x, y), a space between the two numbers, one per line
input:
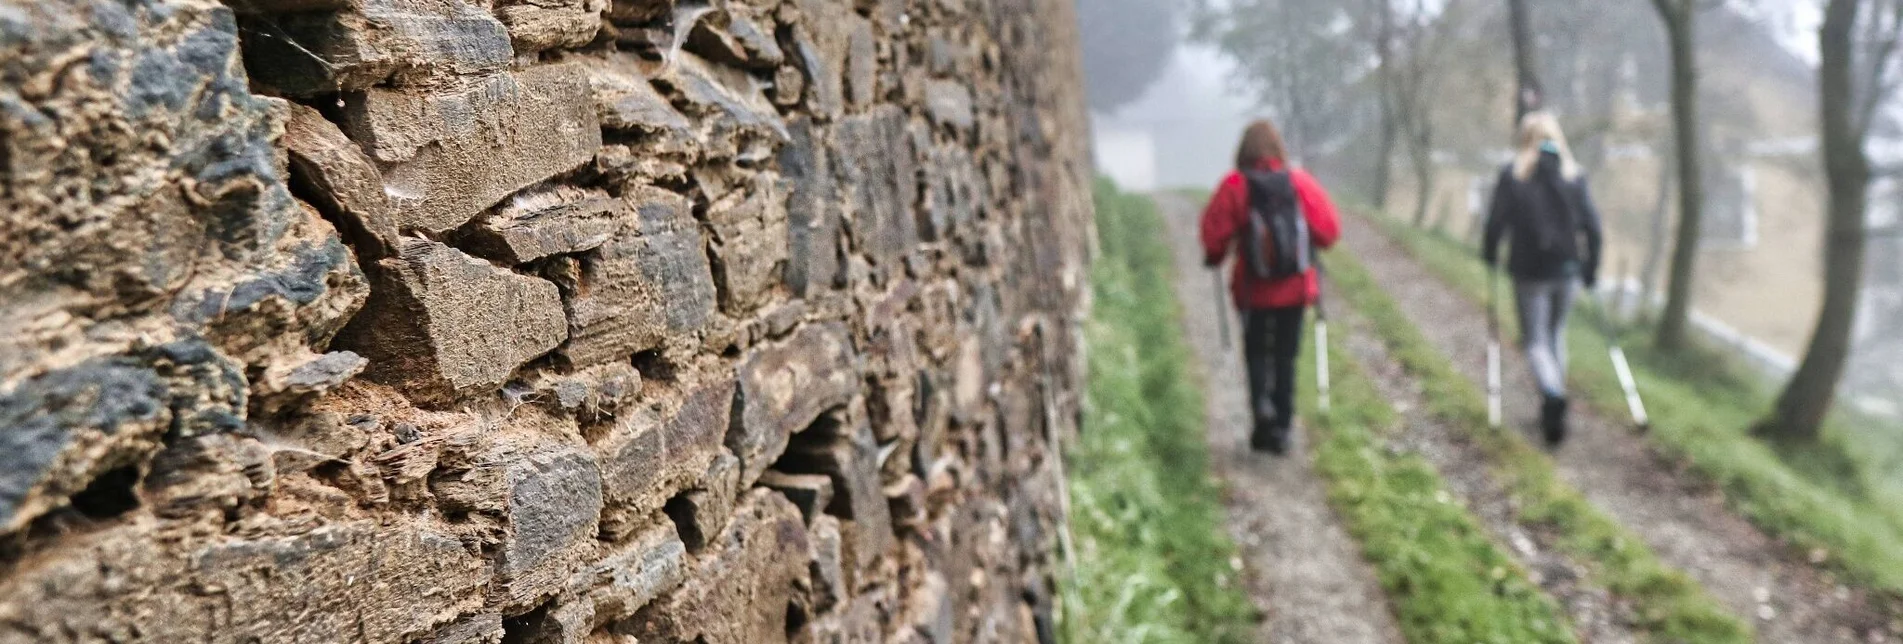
(1302, 568)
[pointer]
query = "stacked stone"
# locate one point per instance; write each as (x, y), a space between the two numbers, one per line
(535, 320)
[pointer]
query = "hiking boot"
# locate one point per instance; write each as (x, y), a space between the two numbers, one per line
(1553, 420)
(1271, 439)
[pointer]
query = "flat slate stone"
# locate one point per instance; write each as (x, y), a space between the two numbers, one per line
(540, 222)
(448, 156)
(785, 386)
(445, 325)
(648, 282)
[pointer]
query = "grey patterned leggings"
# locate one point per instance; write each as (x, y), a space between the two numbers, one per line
(1544, 306)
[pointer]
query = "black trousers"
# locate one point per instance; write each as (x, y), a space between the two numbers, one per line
(1271, 341)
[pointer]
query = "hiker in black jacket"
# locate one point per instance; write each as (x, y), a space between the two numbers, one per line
(1542, 208)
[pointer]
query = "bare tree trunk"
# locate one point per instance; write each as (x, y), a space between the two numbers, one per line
(1424, 188)
(1807, 399)
(1384, 57)
(1421, 142)
(1679, 17)
(1655, 245)
(1525, 63)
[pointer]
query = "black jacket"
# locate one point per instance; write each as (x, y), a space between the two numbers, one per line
(1553, 225)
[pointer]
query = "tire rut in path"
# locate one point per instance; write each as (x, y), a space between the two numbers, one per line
(1684, 520)
(1301, 567)
(1595, 615)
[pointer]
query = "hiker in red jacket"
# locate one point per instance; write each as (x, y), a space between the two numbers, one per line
(1290, 211)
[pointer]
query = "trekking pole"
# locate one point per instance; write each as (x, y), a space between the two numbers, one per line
(1494, 403)
(1321, 341)
(1222, 313)
(1633, 402)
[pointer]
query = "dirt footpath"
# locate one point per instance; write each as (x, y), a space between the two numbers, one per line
(1303, 569)
(1684, 520)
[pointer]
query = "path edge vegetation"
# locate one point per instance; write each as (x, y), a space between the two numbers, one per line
(1446, 580)
(1154, 561)
(1701, 417)
(1668, 606)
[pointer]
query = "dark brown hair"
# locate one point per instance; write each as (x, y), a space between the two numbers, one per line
(1260, 141)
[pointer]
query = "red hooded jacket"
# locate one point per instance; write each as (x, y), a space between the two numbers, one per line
(1225, 216)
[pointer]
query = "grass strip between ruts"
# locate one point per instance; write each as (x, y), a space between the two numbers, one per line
(1668, 605)
(1702, 416)
(1154, 559)
(1446, 580)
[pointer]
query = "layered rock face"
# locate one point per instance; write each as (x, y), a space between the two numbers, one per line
(544, 321)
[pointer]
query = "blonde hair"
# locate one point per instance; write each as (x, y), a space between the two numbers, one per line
(1536, 129)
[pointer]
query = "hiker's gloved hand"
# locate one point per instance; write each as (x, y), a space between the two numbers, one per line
(1591, 280)
(1212, 262)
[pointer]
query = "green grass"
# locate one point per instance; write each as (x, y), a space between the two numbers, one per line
(1153, 556)
(1447, 581)
(1670, 607)
(1843, 496)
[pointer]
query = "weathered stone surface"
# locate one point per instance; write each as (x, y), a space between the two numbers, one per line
(652, 454)
(385, 583)
(930, 621)
(830, 585)
(740, 593)
(812, 214)
(784, 386)
(381, 582)
(536, 25)
(735, 118)
(444, 325)
(906, 498)
(749, 243)
(625, 100)
(540, 222)
(342, 181)
(735, 35)
(954, 192)
(862, 63)
(653, 563)
(375, 42)
(946, 56)
(554, 503)
(875, 163)
(725, 275)
(949, 103)
(646, 283)
(819, 48)
(143, 197)
(848, 455)
(592, 394)
(702, 513)
(485, 628)
(548, 497)
(448, 156)
(103, 412)
(811, 493)
(296, 380)
(558, 622)
(639, 11)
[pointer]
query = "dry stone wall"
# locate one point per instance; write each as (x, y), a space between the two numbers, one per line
(720, 321)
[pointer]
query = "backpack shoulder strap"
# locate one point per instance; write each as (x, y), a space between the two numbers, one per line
(1266, 185)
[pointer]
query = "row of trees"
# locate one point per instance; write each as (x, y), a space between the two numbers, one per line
(1857, 47)
(1393, 75)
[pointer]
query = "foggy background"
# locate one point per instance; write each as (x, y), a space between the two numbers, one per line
(1172, 82)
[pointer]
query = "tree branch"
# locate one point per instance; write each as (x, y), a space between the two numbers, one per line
(1878, 87)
